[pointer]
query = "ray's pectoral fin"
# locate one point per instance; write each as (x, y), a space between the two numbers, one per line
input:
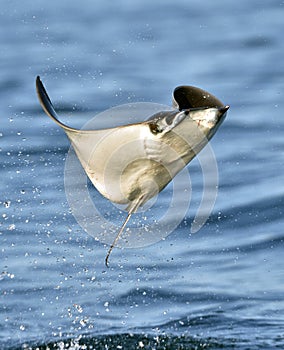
(185, 97)
(47, 104)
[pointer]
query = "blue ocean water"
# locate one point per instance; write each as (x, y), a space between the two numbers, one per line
(222, 287)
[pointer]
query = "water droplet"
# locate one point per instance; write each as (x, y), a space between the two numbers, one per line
(83, 322)
(78, 308)
(7, 204)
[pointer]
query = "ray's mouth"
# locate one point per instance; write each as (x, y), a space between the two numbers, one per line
(223, 110)
(210, 120)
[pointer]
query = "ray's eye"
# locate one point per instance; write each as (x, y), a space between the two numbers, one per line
(154, 128)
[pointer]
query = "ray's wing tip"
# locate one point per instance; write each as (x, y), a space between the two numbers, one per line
(187, 96)
(38, 80)
(41, 88)
(39, 85)
(45, 101)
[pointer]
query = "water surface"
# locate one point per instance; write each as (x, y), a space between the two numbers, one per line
(219, 288)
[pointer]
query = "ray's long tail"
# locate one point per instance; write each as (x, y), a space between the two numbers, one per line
(132, 210)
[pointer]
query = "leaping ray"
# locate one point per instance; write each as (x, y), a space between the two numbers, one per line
(132, 163)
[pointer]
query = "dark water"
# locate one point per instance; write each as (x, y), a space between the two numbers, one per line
(220, 288)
